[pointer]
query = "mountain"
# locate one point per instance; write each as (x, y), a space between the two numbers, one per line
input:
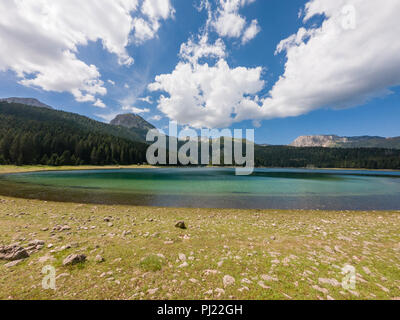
(37, 135)
(26, 101)
(130, 121)
(136, 124)
(333, 141)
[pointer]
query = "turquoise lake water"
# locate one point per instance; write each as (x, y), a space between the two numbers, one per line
(214, 188)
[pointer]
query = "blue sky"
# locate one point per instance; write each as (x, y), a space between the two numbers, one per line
(361, 106)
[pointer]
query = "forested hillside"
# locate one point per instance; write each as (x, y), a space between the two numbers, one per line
(369, 158)
(31, 135)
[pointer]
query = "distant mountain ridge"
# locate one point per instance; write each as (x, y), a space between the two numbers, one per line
(26, 101)
(334, 141)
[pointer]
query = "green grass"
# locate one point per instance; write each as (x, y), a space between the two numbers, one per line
(151, 263)
(308, 245)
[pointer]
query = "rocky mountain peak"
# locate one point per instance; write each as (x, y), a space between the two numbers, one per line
(27, 101)
(131, 121)
(318, 141)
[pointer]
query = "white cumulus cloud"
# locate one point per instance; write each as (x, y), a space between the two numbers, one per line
(200, 95)
(352, 57)
(40, 40)
(228, 22)
(153, 11)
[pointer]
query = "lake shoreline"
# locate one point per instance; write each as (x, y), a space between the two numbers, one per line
(6, 169)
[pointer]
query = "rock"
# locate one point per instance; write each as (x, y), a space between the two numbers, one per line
(36, 243)
(183, 265)
(74, 259)
(99, 259)
(13, 252)
(210, 272)
(332, 282)
(13, 263)
(228, 281)
(262, 285)
(181, 225)
(219, 292)
(323, 290)
(367, 271)
(35, 246)
(46, 258)
(266, 277)
(152, 291)
(182, 257)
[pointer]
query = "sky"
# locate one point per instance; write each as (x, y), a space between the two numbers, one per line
(284, 67)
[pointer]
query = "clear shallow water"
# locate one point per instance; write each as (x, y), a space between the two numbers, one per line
(214, 188)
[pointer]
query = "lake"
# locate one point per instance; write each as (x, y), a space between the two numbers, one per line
(213, 188)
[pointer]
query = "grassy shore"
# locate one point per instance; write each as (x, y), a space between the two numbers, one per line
(262, 254)
(4, 169)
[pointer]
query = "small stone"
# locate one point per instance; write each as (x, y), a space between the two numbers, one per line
(183, 265)
(269, 278)
(332, 282)
(228, 281)
(181, 225)
(262, 285)
(219, 292)
(152, 291)
(74, 259)
(45, 258)
(13, 263)
(182, 257)
(210, 272)
(99, 259)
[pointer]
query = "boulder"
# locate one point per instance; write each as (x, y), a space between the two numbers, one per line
(13, 252)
